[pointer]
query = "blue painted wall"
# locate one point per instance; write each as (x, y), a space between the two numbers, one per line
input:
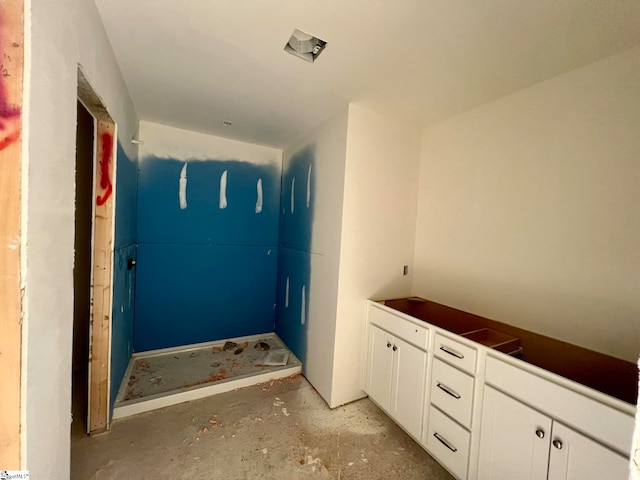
(123, 278)
(205, 273)
(294, 261)
(160, 219)
(294, 266)
(196, 293)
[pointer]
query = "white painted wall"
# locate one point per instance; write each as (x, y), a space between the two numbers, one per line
(378, 233)
(330, 141)
(529, 208)
(63, 34)
(163, 141)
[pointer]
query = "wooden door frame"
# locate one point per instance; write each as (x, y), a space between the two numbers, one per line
(11, 101)
(101, 291)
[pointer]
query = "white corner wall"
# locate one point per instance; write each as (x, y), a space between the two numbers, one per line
(60, 35)
(329, 141)
(378, 233)
(529, 208)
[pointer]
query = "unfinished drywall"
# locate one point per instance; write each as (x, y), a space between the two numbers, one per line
(378, 233)
(207, 231)
(310, 224)
(529, 206)
(294, 256)
(60, 36)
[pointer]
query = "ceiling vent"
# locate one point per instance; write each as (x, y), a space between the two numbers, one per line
(304, 46)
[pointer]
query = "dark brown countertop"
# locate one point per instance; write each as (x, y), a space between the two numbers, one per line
(609, 375)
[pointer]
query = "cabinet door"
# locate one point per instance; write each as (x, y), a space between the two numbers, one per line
(407, 392)
(380, 366)
(514, 439)
(576, 457)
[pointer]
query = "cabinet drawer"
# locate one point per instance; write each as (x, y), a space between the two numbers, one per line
(455, 353)
(410, 332)
(448, 442)
(452, 391)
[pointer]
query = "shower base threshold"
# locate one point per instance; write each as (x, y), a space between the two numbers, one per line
(160, 378)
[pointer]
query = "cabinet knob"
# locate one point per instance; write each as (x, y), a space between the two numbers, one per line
(395, 348)
(557, 443)
(540, 433)
(388, 345)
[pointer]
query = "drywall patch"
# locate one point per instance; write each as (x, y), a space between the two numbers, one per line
(259, 197)
(182, 187)
(223, 190)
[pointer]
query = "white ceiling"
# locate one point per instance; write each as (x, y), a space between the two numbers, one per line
(193, 64)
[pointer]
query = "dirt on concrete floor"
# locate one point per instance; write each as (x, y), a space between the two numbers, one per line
(278, 430)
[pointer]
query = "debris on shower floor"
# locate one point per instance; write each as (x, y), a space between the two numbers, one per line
(181, 370)
(229, 346)
(274, 358)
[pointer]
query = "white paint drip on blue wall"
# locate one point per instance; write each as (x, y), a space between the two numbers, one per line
(182, 190)
(259, 194)
(223, 190)
(303, 309)
(309, 187)
(286, 294)
(293, 194)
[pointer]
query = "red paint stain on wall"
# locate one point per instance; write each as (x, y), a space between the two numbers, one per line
(9, 114)
(9, 139)
(105, 161)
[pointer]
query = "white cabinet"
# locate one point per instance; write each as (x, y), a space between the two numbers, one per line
(380, 367)
(517, 441)
(484, 415)
(396, 378)
(452, 392)
(513, 439)
(448, 442)
(447, 431)
(576, 457)
(457, 354)
(407, 392)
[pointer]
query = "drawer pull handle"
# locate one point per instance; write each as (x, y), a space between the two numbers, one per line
(448, 391)
(540, 433)
(444, 442)
(451, 352)
(557, 444)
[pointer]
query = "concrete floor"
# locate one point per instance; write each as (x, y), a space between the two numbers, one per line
(278, 430)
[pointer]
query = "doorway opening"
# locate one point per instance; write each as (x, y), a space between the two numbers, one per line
(85, 137)
(93, 264)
